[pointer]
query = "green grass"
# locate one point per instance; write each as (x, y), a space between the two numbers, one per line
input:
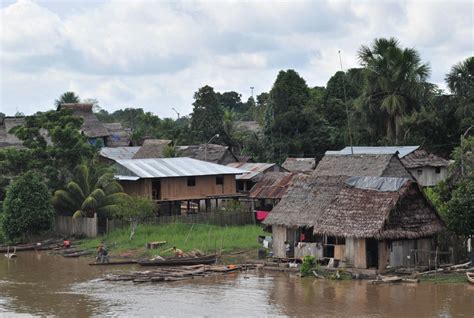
(207, 238)
(451, 278)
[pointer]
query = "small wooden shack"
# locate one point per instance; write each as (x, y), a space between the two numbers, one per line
(256, 171)
(365, 222)
(267, 192)
(202, 186)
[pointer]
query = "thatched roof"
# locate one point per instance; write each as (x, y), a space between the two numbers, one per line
(152, 148)
(422, 158)
(362, 207)
(91, 127)
(402, 212)
(118, 136)
(381, 165)
(305, 200)
(215, 153)
(273, 185)
(305, 165)
(8, 139)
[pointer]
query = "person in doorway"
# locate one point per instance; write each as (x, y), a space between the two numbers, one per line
(287, 249)
(178, 252)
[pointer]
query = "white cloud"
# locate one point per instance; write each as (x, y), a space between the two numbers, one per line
(156, 54)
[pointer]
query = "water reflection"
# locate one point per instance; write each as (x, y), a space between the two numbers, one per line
(41, 284)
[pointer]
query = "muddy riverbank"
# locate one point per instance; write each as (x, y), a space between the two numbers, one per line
(41, 284)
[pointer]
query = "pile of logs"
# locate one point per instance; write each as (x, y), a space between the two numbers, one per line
(71, 252)
(460, 268)
(171, 274)
(43, 245)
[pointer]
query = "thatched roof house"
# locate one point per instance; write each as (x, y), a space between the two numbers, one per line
(304, 165)
(380, 208)
(152, 148)
(368, 222)
(305, 200)
(427, 168)
(118, 136)
(382, 165)
(211, 153)
(91, 127)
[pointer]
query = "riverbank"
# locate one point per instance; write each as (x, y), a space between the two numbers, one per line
(187, 237)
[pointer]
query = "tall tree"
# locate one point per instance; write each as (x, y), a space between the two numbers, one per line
(231, 101)
(208, 115)
(67, 97)
(395, 80)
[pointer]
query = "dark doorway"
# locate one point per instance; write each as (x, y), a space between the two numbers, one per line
(372, 251)
(156, 189)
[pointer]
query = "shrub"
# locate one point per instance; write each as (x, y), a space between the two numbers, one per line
(27, 207)
(309, 263)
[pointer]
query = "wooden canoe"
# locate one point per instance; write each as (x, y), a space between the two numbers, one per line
(180, 261)
(128, 262)
(470, 277)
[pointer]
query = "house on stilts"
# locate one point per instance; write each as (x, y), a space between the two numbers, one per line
(366, 211)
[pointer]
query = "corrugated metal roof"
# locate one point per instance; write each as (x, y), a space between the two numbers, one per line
(174, 167)
(116, 153)
(255, 169)
(402, 150)
(273, 185)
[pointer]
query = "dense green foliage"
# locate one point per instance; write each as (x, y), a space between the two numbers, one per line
(92, 190)
(67, 97)
(309, 263)
(27, 207)
(53, 147)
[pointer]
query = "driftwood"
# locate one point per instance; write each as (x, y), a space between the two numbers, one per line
(386, 280)
(317, 275)
(465, 265)
(171, 274)
(439, 270)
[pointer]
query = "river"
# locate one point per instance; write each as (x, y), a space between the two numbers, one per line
(38, 284)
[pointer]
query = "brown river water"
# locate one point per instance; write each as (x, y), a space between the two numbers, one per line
(38, 284)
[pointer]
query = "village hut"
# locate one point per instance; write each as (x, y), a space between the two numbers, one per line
(364, 222)
(268, 191)
(255, 172)
(303, 165)
(178, 184)
(152, 148)
(91, 127)
(373, 165)
(208, 152)
(118, 136)
(427, 168)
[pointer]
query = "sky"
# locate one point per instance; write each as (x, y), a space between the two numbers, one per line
(156, 54)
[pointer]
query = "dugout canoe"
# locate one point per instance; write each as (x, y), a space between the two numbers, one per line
(129, 262)
(470, 277)
(180, 261)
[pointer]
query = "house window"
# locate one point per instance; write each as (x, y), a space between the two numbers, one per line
(191, 181)
(220, 180)
(419, 172)
(438, 170)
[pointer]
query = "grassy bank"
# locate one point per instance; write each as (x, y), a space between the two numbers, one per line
(207, 238)
(451, 278)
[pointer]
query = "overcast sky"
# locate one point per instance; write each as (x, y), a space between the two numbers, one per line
(156, 54)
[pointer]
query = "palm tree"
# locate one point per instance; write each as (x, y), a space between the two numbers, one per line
(67, 97)
(395, 79)
(93, 190)
(461, 78)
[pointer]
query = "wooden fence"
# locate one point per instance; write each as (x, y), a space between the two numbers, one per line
(69, 226)
(213, 218)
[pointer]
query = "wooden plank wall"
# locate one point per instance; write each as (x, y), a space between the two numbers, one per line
(69, 226)
(141, 187)
(279, 238)
(178, 189)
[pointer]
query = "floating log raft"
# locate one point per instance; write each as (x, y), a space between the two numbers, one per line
(171, 274)
(127, 262)
(43, 245)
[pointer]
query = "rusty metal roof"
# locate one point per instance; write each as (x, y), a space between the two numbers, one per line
(254, 169)
(273, 185)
